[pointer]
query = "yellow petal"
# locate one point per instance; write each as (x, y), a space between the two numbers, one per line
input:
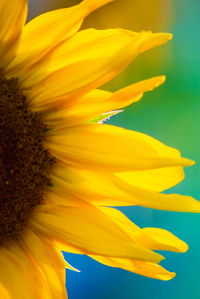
(80, 77)
(89, 230)
(151, 238)
(84, 45)
(94, 104)
(54, 198)
(111, 148)
(13, 16)
(4, 293)
(61, 24)
(157, 180)
(154, 200)
(63, 246)
(60, 117)
(157, 40)
(109, 190)
(140, 267)
(128, 95)
(164, 240)
(49, 260)
(88, 186)
(16, 264)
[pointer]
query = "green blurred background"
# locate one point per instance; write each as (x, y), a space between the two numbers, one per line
(171, 114)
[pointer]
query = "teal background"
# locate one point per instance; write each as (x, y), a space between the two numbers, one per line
(170, 114)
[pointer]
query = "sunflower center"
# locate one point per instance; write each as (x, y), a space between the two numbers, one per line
(24, 163)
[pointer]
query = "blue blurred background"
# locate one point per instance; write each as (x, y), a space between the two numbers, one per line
(171, 114)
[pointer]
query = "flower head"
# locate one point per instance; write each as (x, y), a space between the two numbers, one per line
(62, 170)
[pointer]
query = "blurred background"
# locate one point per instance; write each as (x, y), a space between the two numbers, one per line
(170, 114)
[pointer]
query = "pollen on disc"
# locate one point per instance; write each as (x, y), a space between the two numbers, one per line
(25, 165)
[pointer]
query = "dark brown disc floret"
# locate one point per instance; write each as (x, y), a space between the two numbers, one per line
(25, 165)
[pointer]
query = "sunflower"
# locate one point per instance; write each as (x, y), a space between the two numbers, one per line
(62, 170)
